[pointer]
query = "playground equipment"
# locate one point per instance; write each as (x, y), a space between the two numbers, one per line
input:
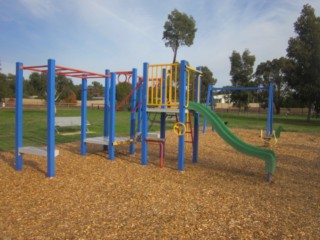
(179, 128)
(160, 95)
(223, 131)
(109, 140)
(164, 88)
(210, 97)
(265, 154)
(49, 151)
(272, 140)
(61, 122)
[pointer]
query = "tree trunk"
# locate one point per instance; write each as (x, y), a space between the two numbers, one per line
(278, 104)
(175, 51)
(309, 112)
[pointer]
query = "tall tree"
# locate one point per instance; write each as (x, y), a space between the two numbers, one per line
(77, 90)
(207, 79)
(96, 89)
(241, 76)
(304, 53)
(123, 89)
(38, 84)
(64, 88)
(179, 30)
(3, 87)
(11, 81)
(273, 71)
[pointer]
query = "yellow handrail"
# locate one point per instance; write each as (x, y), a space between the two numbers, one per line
(156, 81)
(163, 65)
(194, 69)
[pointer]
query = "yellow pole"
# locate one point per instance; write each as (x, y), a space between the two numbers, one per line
(156, 87)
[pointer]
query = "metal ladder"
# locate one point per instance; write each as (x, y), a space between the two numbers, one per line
(189, 131)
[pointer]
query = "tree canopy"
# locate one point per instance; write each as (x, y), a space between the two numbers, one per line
(207, 79)
(96, 89)
(122, 90)
(304, 53)
(37, 84)
(179, 30)
(273, 71)
(241, 76)
(3, 86)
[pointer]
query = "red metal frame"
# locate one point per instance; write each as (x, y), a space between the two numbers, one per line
(161, 144)
(66, 71)
(129, 95)
(76, 73)
(135, 109)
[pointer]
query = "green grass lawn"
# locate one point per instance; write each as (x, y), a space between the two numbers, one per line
(259, 121)
(34, 125)
(35, 129)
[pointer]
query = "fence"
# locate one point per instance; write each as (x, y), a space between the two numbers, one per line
(98, 104)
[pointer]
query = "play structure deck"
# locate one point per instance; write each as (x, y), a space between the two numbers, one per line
(61, 122)
(39, 151)
(105, 140)
(165, 110)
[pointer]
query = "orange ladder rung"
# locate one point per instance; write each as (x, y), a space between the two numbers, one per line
(188, 126)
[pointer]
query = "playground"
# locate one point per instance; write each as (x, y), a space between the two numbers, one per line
(186, 183)
(223, 196)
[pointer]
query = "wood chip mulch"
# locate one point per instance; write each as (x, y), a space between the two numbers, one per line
(224, 196)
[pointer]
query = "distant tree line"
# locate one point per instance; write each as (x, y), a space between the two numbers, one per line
(296, 77)
(36, 87)
(66, 91)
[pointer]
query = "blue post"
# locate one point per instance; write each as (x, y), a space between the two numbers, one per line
(133, 113)
(111, 147)
(196, 119)
(212, 100)
(269, 128)
(106, 114)
(182, 113)
(19, 114)
(144, 145)
(212, 105)
(106, 104)
(207, 104)
(140, 107)
(84, 116)
(163, 100)
(51, 77)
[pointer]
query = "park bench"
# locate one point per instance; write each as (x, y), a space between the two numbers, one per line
(61, 122)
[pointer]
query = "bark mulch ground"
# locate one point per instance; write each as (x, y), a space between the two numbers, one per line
(224, 196)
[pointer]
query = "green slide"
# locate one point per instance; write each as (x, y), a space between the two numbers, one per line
(224, 132)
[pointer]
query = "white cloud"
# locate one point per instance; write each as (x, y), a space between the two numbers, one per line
(39, 8)
(123, 34)
(264, 27)
(109, 18)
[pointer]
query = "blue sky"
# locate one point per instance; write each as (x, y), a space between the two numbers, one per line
(122, 34)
